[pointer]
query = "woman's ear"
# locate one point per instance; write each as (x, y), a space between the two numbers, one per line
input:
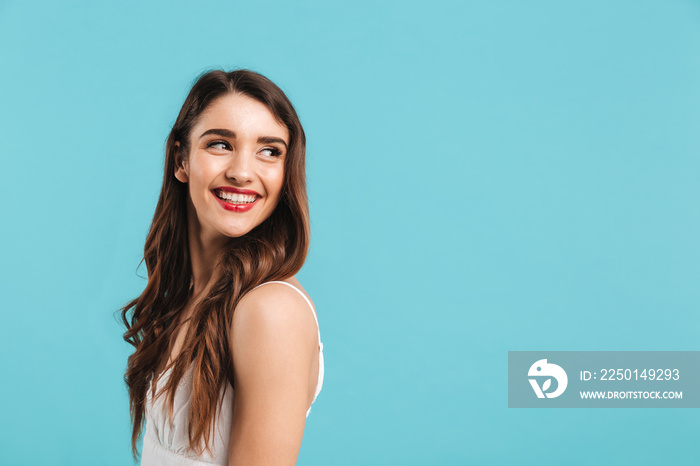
(181, 168)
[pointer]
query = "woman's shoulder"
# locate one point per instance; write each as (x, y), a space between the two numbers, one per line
(280, 289)
(276, 306)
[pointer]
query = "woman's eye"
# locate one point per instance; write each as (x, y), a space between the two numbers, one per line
(271, 151)
(223, 145)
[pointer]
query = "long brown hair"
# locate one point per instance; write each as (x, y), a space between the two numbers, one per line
(274, 250)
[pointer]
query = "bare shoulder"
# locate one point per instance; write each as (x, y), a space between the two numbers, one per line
(274, 351)
(275, 314)
(275, 287)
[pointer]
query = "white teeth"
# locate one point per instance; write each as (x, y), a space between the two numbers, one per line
(235, 197)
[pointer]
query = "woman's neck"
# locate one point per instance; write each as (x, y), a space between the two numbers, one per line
(205, 253)
(204, 270)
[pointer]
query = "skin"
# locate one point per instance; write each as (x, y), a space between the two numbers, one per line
(274, 339)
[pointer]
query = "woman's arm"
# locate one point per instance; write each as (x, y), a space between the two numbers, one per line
(274, 344)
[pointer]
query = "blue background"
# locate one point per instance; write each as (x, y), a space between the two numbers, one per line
(484, 176)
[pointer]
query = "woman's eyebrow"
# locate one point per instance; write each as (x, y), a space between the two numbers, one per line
(227, 133)
(272, 139)
(224, 133)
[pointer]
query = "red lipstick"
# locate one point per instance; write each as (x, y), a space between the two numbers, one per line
(230, 206)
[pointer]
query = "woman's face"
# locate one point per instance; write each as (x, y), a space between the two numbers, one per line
(235, 167)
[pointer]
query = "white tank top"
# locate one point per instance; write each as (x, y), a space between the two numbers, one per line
(166, 443)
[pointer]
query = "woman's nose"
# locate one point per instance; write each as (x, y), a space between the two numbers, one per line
(240, 167)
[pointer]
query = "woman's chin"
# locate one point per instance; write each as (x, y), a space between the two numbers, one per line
(238, 231)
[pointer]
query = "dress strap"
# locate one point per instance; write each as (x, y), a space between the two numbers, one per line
(313, 310)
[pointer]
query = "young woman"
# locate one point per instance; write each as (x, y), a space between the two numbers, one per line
(228, 355)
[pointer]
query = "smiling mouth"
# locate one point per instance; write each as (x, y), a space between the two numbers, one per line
(235, 198)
